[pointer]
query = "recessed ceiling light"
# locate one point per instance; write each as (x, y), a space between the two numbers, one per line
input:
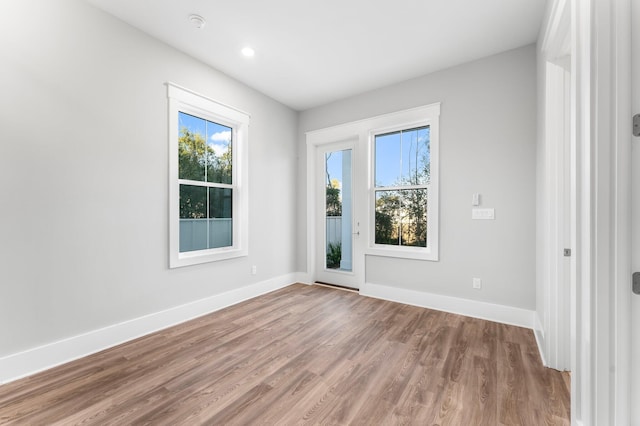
(197, 21)
(248, 52)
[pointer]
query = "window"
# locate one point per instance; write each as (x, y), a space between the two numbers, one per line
(401, 180)
(404, 189)
(208, 193)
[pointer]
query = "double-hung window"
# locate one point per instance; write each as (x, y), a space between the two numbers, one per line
(208, 176)
(404, 188)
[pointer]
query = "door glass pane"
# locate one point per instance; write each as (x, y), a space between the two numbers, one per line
(338, 210)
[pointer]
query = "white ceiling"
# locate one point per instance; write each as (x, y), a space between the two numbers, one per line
(310, 53)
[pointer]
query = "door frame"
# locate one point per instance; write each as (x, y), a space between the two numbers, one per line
(635, 209)
(315, 140)
(350, 278)
(601, 41)
(600, 46)
(559, 221)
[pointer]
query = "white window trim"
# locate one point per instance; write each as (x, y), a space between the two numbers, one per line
(428, 116)
(185, 100)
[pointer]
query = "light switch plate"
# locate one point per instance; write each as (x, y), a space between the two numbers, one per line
(477, 283)
(483, 214)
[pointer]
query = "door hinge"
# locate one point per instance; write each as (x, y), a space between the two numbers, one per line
(636, 125)
(567, 252)
(636, 282)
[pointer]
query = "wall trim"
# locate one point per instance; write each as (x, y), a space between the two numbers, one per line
(538, 332)
(471, 308)
(31, 361)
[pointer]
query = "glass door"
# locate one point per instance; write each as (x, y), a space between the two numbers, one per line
(337, 230)
(337, 208)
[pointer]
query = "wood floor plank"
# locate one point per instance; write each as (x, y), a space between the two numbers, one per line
(304, 355)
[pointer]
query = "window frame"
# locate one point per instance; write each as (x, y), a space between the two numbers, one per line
(189, 102)
(430, 116)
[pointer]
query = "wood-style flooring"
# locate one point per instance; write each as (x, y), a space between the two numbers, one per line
(304, 355)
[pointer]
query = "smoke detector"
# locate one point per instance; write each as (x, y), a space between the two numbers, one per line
(197, 21)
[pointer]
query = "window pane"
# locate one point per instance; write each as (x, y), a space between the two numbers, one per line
(414, 221)
(193, 218)
(193, 202)
(388, 160)
(219, 157)
(402, 158)
(192, 147)
(220, 217)
(415, 156)
(401, 218)
(204, 150)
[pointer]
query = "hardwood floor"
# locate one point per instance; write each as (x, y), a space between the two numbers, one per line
(304, 355)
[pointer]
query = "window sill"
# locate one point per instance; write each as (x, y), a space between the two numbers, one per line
(205, 256)
(404, 253)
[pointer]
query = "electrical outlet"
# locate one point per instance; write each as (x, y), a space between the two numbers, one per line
(477, 283)
(254, 269)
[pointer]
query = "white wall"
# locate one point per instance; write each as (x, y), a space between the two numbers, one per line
(84, 173)
(487, 145)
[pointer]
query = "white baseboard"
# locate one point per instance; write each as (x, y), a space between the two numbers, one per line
(538, 332)
(471, 308)
(26, 363)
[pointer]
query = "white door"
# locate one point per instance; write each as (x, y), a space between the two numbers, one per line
(635, 214)
(339, 258)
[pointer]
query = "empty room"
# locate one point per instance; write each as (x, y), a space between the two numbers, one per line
(294, 212)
